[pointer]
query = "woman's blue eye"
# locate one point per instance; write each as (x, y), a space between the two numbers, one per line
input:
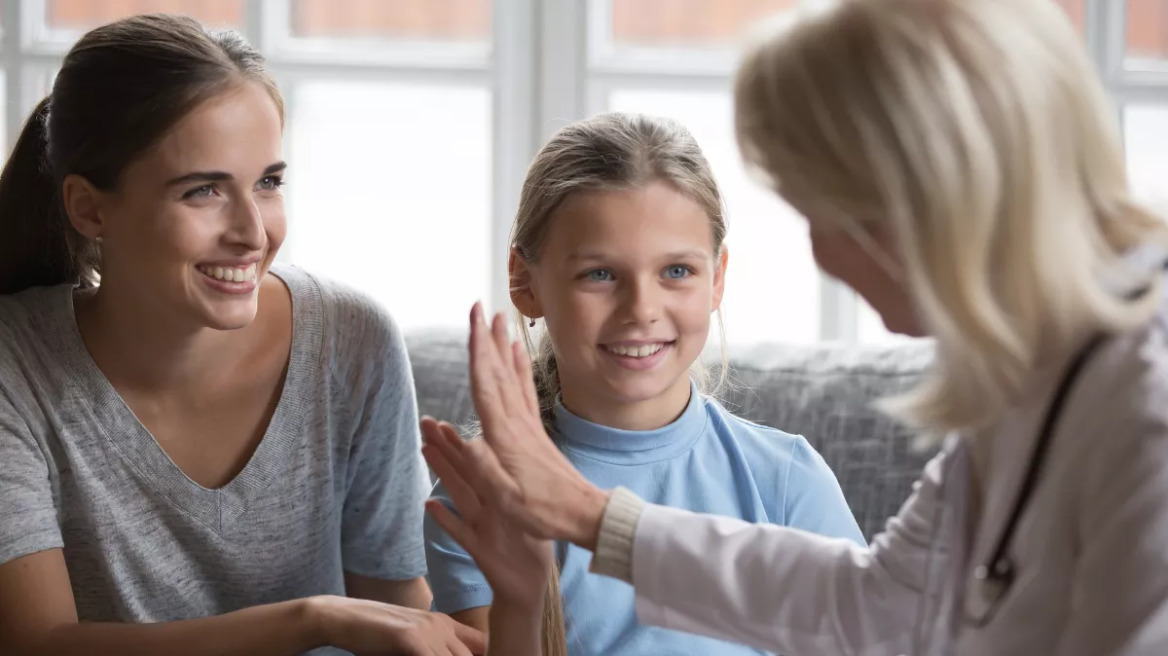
(271, 183)
(202, 192)
(599, 275)
(678, 271)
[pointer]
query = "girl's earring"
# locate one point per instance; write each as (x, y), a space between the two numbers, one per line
(531, 324)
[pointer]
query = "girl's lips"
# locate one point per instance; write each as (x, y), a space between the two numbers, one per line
(638, 362)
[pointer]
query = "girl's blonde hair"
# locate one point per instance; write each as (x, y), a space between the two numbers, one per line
(978, 132)
(609, 152)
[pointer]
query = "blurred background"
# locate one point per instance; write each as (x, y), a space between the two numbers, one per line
(411, 124)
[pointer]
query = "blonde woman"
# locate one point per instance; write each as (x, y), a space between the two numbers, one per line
(959, 166)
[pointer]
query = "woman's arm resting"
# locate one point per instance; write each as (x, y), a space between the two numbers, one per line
(38, 617)
(411, 593)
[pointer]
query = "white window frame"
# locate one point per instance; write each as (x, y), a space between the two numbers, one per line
(548, 64)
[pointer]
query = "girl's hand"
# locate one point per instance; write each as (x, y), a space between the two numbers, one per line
(516, 564)
(370, 627)
(515, 468)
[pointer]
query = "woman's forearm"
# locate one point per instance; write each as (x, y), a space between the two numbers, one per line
(281, 629)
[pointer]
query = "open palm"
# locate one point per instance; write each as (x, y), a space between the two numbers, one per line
(516, 564)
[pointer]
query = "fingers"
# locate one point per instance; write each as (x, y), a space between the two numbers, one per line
(471, 637)
(510, 385)
(485, 473)
(444, 461)
(453, 525)
(501, 335)
(483, 370)
(522, 364)
(456, 648)
(470, 470)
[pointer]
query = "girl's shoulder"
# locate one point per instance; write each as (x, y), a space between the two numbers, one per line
(760, 439)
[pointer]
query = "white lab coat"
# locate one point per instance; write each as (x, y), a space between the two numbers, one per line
(1090, 551)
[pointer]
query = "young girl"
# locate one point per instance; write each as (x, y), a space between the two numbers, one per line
(618, 248)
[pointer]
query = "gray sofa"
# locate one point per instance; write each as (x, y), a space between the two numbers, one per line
(821, 392)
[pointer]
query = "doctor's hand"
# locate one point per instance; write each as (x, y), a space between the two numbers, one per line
(517, 565)
(515, 467)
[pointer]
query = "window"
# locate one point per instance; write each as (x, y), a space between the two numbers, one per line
(633, 66)
(411, 124)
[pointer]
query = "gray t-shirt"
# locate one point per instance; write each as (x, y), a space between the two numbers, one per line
(337, 482)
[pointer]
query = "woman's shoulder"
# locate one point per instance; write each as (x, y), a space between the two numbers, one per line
(1128, 374)
(1116, 410)
(356, 331)
(29, 319)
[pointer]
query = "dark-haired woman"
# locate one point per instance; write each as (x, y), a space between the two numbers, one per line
(204, 453)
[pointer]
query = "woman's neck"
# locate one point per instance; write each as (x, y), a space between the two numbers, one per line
(637, 415)
(148, 351)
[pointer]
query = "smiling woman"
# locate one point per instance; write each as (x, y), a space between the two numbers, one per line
(204, 453)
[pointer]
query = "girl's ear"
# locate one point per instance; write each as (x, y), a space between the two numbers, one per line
(523, 295)
(720, 277)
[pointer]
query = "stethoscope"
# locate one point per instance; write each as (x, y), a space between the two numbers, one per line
(993, 578)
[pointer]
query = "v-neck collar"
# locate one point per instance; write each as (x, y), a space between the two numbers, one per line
(221, 506)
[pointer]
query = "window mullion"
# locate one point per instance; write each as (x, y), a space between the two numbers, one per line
(514, 128)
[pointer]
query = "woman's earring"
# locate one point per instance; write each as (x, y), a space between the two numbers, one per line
(98, 240)
(531, 324)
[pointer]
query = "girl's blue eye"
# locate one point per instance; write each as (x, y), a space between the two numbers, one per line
(678, 271)
(599, 275)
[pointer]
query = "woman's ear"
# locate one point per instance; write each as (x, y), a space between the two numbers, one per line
(720, 276)
(523, 294)
(82, 203)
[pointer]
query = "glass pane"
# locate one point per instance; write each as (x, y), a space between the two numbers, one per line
(1146, 128)
(404, 19)
(700, 23)
(86, 14)
(389, 191)
(1077, 10)
(1147, 29)
(772, 284)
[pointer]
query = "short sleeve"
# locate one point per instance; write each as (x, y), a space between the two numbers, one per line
(455, 579)
(381, 524)
(814, 500)
(28, 516)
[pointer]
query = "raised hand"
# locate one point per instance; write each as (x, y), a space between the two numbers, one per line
(516, 564)
(516, 467)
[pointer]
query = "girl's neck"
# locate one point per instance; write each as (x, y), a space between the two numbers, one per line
(640, 415)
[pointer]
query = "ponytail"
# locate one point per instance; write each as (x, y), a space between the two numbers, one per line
(547, 378)
(37, 244)
(119, 89)
(547, 390)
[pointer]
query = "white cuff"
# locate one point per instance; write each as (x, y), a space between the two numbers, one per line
(618, 527)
